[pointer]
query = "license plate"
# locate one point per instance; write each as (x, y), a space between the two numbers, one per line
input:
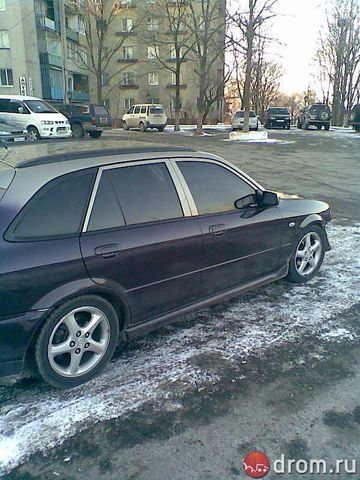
(61, 129)
(280, 121)
(20, 139)
(103, 120)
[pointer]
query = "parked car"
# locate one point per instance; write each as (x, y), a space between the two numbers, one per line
(278, 117)
(354, 118)
(38, 117)
(318, 115)
(87, 118)
(145, 116)
(10, 133)
(238, 120)
(98, 242)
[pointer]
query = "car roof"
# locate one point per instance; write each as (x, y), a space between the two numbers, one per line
(19, 97)
(77, 156)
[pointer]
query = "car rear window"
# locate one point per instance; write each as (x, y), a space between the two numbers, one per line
(81, 109)
(56, 210)
(241, 114)
(156, 110)
(6, 175)
(319, 108)
(100, 110)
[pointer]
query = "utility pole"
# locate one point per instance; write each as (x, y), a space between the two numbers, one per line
(249, 59)
(63, 50)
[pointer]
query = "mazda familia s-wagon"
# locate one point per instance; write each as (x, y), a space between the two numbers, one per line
(108, 244)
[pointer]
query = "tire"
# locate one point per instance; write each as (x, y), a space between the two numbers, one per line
(125, 125)
(161, 129)
(305, 125)
(95, 134)
(78, 312)
(142, 127)
(288, 127)
(319, 127)
(357, 128)
(327, 127)
(77, 129)
(34, 134)
(299, 124)
(302, 270)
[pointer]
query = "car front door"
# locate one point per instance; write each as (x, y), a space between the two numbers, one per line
(239, 245)
(141, 239)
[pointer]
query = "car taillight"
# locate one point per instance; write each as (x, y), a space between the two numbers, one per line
(93, 120)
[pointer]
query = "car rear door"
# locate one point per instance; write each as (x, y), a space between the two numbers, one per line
(239, 245)
(102, 116)
(140, 239)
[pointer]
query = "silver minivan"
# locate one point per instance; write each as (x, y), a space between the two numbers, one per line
(145, 116)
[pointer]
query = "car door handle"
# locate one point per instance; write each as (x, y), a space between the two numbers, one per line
(218, 229)
(107, 251)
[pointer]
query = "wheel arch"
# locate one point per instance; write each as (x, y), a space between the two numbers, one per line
(314, 218)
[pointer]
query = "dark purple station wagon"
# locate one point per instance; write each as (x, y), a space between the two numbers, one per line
(112, 243)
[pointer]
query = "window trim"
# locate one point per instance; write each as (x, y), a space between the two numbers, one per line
(183, 200)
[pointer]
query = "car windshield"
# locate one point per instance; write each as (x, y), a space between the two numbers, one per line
(156, 109)
(39, 106)
(278, 111)
(317, 108)
(241, 114)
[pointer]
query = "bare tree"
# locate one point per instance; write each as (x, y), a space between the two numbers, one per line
(246, 29)
(176, 40)
(338, 57)
(206, 24)
(103, 41)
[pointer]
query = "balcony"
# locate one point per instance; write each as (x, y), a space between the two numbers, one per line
(130, 33)
(46, 23)
(50, 59)
(129, 86)
(172, 85)
(56, 93)
(128, 60)
(76, 96)
(72, 35)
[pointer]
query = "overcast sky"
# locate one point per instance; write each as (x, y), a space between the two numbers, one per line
(298, 27)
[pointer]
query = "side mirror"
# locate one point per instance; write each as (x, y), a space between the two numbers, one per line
(269, 199)
(246, 202)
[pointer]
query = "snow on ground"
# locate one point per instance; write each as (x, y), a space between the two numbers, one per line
(162, 367)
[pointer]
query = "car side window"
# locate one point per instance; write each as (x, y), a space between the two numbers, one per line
(137, 110)
(214, 188)
(131, 110)
(4, 105)
(56, 210)
(133, 195)
(143, 109)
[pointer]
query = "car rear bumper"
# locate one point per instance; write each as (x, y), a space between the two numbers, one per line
(16, 333)
(55, 132)
(95, 128)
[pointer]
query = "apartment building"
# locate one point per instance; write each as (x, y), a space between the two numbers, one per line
(31, 53)
(139, 75)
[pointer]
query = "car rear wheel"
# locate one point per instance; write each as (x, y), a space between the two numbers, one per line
(77, 130)
(95, 134)
(142, 127)
(125, 125)
(319, 127)
(327, 127)
(33, 134)
(77, 341)
(161, 129)
(308, 255)
(357, 128)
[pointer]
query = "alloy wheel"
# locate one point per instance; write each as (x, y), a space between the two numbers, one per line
(308, 254)
(79, 341)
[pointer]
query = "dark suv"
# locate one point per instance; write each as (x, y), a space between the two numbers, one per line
(354, 118)
(278, 117)
(318, 115)
(106, 244)
(91, 119)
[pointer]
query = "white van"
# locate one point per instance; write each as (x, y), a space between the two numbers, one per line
(145, 116)
(39, 118)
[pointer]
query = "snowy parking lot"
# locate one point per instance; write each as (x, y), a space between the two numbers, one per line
(156, 377)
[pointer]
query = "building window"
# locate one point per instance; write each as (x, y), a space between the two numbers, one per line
(4, 39)
(126, 3)
(153, 25)
(129, 78)
(153, 100)
(127, 25)
(128, 53)
(6, 77)
(153, 52)
(173, 52)
(2, 5)
(153, 78)
(173, 79)
(128, 103)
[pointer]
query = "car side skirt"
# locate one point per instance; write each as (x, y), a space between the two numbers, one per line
(146, 327)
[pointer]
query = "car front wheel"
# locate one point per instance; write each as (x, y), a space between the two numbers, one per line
(95, 134)
(308, 254)
(77, 341)
(33, 134)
